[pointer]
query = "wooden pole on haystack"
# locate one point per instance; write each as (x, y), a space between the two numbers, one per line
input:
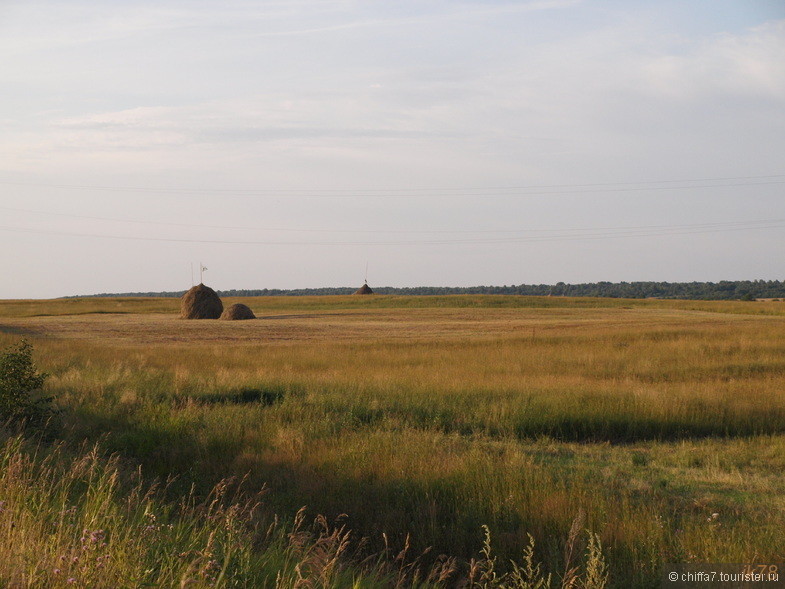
(202, 268)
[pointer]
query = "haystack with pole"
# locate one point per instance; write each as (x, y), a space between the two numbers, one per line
(237, 312)
(364, 290)
(201, 302)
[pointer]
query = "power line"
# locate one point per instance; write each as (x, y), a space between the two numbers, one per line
(377, 231)
(623, 233)
(420, 192)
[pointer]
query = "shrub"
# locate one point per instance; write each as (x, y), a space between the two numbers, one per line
(20, 385)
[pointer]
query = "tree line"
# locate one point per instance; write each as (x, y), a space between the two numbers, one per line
(723, 290)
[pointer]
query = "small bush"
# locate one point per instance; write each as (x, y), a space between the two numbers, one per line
(20, 385)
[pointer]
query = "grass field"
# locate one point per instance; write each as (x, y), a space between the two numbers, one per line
(431, 417)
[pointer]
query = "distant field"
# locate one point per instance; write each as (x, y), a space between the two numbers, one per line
(433, 416)
(91, 305)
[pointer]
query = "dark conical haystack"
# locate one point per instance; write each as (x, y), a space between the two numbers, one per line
(364, 289)
(236, 312)
(201, 302)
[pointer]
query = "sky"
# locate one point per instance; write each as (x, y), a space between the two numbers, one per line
(293, 144)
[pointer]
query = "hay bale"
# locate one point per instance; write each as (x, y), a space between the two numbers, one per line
(201, 302)
(364, 289)
(237, 312)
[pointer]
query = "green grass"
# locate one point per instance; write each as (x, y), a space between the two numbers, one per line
(451, 413)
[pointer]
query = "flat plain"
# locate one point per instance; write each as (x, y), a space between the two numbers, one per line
(659, 425)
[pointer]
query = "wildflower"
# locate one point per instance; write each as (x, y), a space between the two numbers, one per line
(56, 571)
(71, 580)
(96, 536)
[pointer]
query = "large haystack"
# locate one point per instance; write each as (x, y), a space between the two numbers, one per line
(237, 312)
(201, 302)
(364, 289)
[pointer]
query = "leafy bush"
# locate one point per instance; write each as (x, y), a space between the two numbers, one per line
(20, 385)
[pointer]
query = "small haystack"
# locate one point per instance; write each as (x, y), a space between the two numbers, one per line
(364, 289)
(201, 302)
(237, 312)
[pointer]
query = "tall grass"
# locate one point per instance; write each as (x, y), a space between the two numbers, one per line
(66, 523)
(72, 520)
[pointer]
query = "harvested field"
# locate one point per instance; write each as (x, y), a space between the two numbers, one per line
(363, 325)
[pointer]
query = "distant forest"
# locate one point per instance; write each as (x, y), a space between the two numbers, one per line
(724, 290)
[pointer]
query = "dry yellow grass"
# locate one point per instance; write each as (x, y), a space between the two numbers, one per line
(435, 416)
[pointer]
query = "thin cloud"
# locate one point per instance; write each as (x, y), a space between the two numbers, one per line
(461, 11)
(749, 64)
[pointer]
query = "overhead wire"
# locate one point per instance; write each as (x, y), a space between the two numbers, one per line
(517, 235)
(369, 231)
(416, 192)
(672, 230)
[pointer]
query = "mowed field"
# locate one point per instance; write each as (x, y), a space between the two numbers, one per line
(659, 425)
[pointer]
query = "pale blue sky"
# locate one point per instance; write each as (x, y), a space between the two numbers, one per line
(285, 144)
